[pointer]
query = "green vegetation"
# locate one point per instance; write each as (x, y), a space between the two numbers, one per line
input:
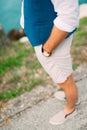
(75, 66)
(20, 70)
(80, 37)
(8, 94)
(79, 46)
(10, 63)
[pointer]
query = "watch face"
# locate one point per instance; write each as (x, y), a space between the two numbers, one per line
(45, 53)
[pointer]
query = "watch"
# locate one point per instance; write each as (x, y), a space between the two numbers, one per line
(45, 53)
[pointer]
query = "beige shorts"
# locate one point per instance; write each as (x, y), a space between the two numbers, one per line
(59, 64)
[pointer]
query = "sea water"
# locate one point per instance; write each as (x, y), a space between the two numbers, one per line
(10, 11)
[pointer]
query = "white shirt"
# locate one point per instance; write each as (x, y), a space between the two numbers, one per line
(68, 14)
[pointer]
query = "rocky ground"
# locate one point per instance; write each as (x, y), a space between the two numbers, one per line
(29, 110)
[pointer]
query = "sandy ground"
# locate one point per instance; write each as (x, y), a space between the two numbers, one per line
(83, 10)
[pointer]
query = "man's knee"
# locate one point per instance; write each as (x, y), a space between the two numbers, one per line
(67, 83)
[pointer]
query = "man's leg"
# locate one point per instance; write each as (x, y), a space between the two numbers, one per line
(71, 94)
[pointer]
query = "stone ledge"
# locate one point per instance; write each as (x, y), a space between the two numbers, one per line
(37, 117)
(29, 99)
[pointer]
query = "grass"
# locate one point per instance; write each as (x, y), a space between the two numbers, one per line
(20, 70)
(75, 66)
(79, 46)
(10, 63)
(80, 37)
(8, 94)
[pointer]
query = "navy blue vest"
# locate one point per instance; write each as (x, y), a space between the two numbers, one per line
(38, 20)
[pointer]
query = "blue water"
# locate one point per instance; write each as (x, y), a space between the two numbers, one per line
(10, 13)
(82, 1)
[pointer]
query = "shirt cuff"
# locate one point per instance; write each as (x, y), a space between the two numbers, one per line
(62, 25)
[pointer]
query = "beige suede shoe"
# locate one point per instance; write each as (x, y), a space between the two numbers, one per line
(61, 117)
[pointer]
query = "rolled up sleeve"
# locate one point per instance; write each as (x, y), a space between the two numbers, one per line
(67, 14)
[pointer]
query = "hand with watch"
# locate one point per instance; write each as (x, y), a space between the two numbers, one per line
(55, 38)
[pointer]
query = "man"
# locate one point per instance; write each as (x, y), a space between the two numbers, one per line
(49, 25)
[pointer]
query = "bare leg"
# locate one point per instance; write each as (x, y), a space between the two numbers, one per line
(71, 92)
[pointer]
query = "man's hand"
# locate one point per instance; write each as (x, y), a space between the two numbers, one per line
(55, 38)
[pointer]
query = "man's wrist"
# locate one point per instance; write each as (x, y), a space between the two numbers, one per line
(47, 47)
(45, 52)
